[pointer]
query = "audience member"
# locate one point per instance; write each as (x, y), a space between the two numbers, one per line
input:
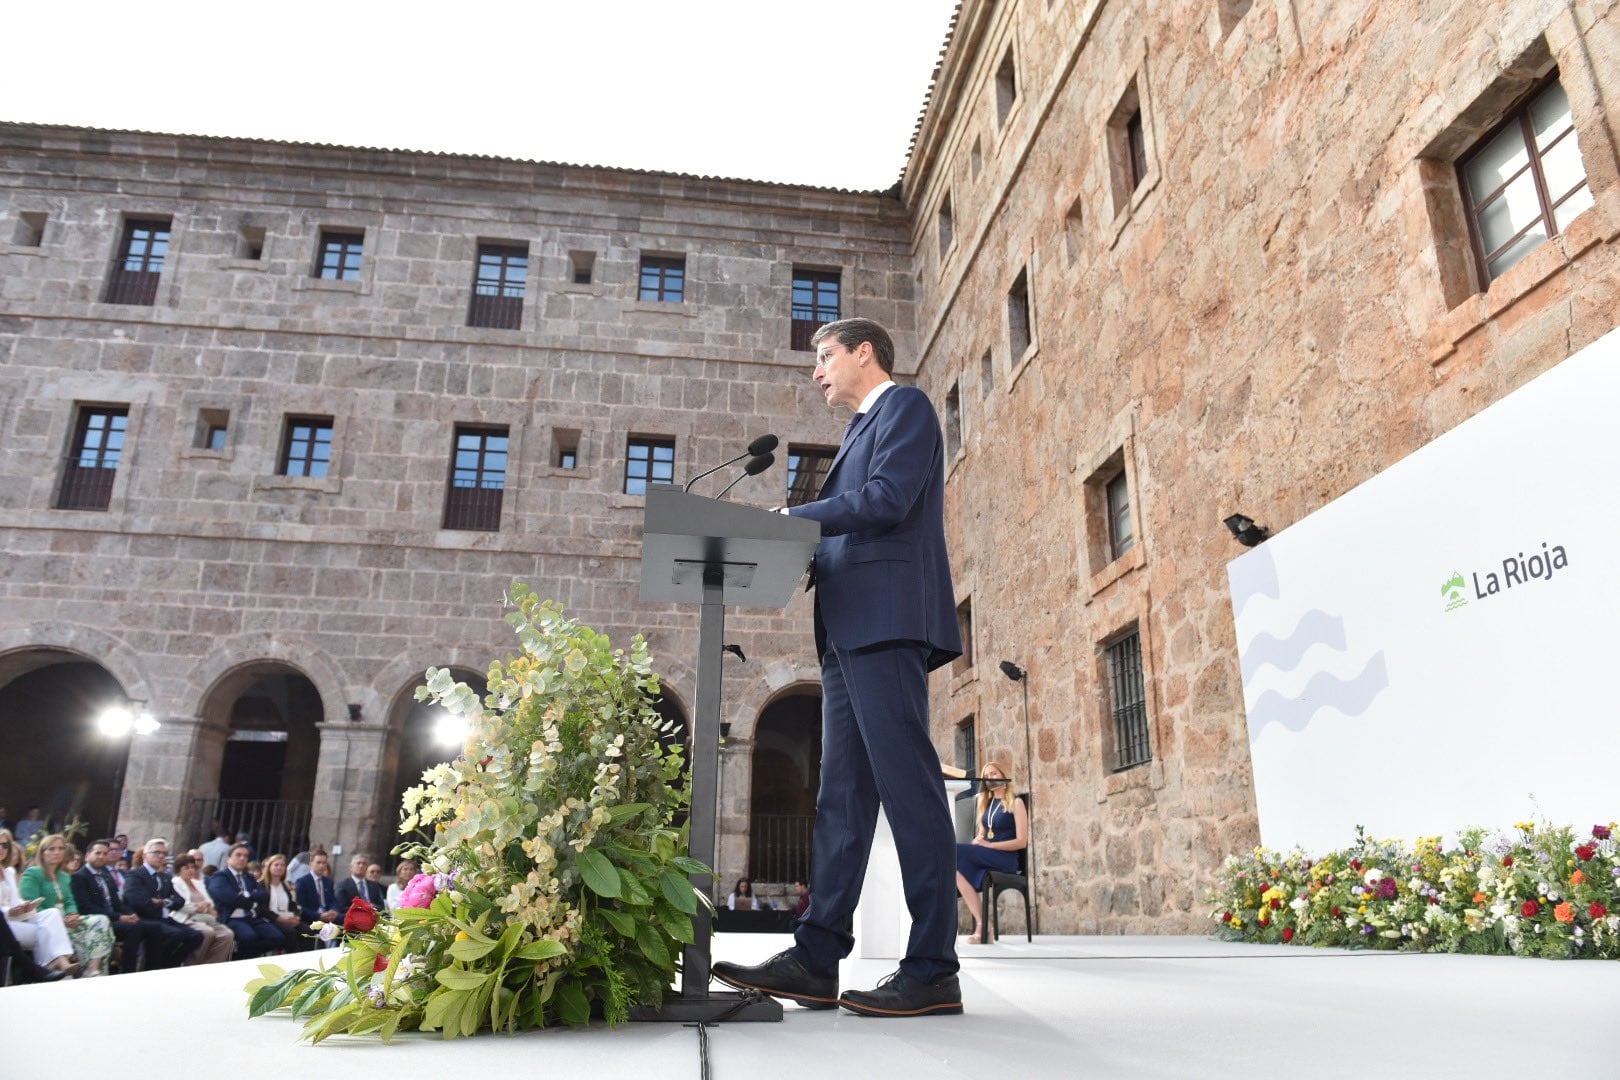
(801, 889)
(283, 900)
(74, 860)
(199, 913)
(214, 852)
(29, 827)
(243, 905)
(403, 873)
(149, 892)
(117, 861)
(1002, 832)
(317, 895)
(298, 867)
(47, 882)
(247, 842)
(356, 885)
(743, 899)
(95, 891)
(17, 963)
(42, 932)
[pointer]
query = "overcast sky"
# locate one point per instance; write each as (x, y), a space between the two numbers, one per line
(824, 93)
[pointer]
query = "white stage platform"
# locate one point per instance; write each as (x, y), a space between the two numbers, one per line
(1114, 1007)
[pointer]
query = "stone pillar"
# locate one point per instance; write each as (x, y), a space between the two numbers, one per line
(349, 782)
(164, 772)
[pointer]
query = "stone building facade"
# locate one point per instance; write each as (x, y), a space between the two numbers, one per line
(1156, 265)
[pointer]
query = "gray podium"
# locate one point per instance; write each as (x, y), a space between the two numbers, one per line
(697, 550)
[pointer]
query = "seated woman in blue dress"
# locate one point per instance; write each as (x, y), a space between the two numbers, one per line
(1002, 832)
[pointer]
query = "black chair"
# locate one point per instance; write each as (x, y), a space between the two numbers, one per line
(996, 882)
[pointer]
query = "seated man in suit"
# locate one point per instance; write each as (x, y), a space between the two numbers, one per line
(244, 906)
(317, 893)
(96, 893)
(356, 885)
(150, 894)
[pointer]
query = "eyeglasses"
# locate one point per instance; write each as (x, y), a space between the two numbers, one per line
(823, 357)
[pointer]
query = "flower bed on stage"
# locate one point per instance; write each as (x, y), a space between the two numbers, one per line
(555, 886)
(1529, 891)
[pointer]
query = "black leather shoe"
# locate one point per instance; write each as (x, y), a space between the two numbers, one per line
(784, 977)
(901, 995)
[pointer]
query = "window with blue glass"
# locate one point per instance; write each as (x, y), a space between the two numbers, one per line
(499, 282)
(477, 479)
(306, 449)
(815, 304)
(92, 464)
(340, 254)
(648, 460)
(663, 278)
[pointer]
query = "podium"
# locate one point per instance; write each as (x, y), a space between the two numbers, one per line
(697, 550)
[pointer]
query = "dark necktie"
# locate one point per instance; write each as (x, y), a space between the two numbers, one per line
(106, 896)
(854, 422)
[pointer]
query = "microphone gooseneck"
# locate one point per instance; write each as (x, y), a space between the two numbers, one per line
(759, 446)
(755, 466)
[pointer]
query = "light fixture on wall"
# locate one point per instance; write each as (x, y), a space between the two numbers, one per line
(116, 721)
(1021, 676)
(354, 712)
(736, 650)
(1245, 530)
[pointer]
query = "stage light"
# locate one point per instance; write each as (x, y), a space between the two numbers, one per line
(145, 723)
(449, 729)
(115, 721)
(1012, 670)
(1245, 530)
(736, 650)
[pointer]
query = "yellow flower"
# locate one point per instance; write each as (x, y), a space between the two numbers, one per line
(462, 935)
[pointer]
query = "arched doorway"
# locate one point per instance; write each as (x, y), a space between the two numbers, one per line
(786, 777)
(53, 754)
(267, 771)
(421, 740)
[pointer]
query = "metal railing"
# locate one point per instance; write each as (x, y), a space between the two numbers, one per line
(779, 846)
(133, 287)
(85, 488)
(498, 312)
(473, 508)
(273, 825)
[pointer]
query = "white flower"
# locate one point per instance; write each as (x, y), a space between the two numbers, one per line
(1373, 877)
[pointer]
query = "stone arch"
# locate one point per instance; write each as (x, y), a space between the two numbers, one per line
(407, 748)
(35, 645)
(234, 659)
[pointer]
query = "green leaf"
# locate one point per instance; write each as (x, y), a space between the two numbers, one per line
(461, 978)
(543, 950)
(634, 891)
(652, 945)
(622, 921)
(678, 891)
(572, 1005)
(600, 875)
(625, 811)
(471, 949)
(678, 926)
(689, 864)
(440, 1006)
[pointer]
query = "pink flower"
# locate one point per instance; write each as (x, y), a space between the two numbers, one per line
(419, 893)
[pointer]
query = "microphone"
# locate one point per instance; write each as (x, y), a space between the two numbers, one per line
(762, 445)
(755, 466)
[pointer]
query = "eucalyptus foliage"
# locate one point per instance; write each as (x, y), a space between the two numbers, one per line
(560, 884)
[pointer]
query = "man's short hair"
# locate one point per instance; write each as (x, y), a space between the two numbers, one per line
(93, 843)
(239, 847)
(851, 332)
(154, 842)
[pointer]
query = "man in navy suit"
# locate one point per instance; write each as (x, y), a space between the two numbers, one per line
(317, 894)
(149, 893)
(96, 893)
(242, 902)
(357, 885)
(885, 616)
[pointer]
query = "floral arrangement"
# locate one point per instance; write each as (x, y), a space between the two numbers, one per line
(555, 886)
(1529, 891)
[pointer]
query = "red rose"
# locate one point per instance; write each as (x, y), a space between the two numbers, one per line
(1288, 933)
(1226, 916)
(1529, 909)
(379, 964)
(1507, 860)
(1597, 910)
(1337, 911)
(1275, 903)
(360, 917)
(1585, 852)
(1600, 832)
(1434, 899)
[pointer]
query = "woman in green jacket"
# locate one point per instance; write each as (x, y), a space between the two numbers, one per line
(91, 935)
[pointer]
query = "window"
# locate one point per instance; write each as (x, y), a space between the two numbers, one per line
(1020, 328)
(947, 231)
(213, 428)
(306, 448)
(807, 468)
(1120, 536)
(967, 750)
(582, 265)
(953, 421)
(339, 256)
(964, 623)
(815, 304)
(477, 479)
(648, 460)
(1524, 182)
(1128, 151)
(499, 281)
(140, 263)
(92, 465)
(1128, 701)
(976, 157)
(1073, 233)
(1136, 144)
(250, 243)
(1006, 87)
(565, 448)
(663, 278)
(30, 231)
(987, 374)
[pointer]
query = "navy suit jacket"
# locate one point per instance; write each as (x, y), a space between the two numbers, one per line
(881, 571)
(227, 897)
(89, 899)
(147, 896)
(374, 895)
(310, 896)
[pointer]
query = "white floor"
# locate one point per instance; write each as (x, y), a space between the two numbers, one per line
(1129, 1007)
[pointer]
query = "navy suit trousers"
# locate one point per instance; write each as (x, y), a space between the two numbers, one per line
(876, 750)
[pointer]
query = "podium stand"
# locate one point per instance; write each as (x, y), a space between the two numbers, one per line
(697, 550)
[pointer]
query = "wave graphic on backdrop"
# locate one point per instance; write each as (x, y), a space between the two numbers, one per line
(1251, 576)
(1325, 690)
(1284, 654)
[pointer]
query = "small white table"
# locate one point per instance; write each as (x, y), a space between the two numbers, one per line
(882, 922)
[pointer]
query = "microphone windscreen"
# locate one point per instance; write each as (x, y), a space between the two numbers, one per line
(763, 445)
(759, 464)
